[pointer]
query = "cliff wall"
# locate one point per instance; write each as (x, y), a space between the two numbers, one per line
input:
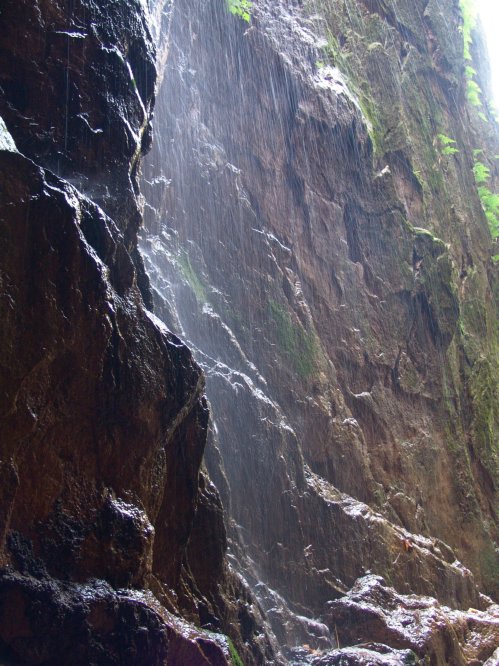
(315, 240)
(103, 415)
(316, 235)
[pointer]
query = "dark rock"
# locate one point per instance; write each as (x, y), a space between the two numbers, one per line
(77, 355)
(102, 411)
(49, 622)
(43, 621)
(93, 65)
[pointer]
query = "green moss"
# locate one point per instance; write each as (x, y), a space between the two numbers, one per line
(485, 395)
(436, 245)
(479, 339)
(297, 344)
(192, 278)
(473, 319)
(235, 658)
(374, 128)
(334, 53)
(380, 495)
(437, 280)
(423, 121)
(343, 58)
(490, 567)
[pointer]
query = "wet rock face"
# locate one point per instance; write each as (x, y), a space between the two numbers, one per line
(102, 412)
(123, 629)
(371, 654)
(71, 52)
(82, 343)
(96, 64)
(374, 613)
(344, 348)
(323, 256)
(49, 621)
(104, 426)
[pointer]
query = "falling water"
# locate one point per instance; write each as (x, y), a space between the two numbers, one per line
(278, 247)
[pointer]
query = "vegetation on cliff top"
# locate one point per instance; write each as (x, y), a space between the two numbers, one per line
(241, 8)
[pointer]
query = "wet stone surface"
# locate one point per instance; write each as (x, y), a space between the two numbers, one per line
(329, 266)
(306, 237)
(102, 413)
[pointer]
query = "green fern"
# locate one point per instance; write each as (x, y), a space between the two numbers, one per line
(489, 199)
(468, 12)
(481, 172)
(447, 146)
(473, 92)
(469, 16)
(490, 205)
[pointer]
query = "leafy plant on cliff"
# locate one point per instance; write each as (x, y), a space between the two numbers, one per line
(473, 90)
(481, 172)
(241, 8)
(468, 13)
(447, 146)
(489, 199)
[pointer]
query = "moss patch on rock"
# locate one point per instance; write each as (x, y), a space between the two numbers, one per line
(296, 344)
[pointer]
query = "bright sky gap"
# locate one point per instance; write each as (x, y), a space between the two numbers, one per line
(489, 15)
